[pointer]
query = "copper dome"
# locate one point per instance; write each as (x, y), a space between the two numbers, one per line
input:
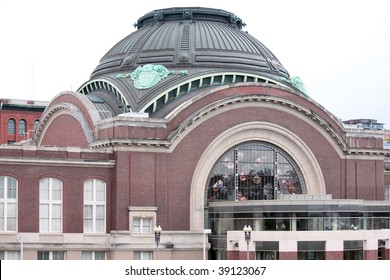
(198, 41)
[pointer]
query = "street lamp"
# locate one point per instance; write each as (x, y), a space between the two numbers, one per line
(247, 231)
(157, 233)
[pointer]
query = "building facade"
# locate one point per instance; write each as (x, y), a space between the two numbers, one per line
(192, 124)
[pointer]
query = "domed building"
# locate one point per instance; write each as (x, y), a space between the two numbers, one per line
(190, 130)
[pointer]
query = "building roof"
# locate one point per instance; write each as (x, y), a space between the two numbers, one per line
(176, 51)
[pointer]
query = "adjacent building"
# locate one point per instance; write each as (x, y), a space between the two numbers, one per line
(19, 119)
(192, 124)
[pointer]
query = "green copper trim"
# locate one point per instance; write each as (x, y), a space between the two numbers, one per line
(149, 75)
(296, 82)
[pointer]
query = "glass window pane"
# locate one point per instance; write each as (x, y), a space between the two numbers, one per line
(2, 187)
(100, 191)
(136, 225)
(44, 189)
(88, 225)
(56, 211)
(12, 255)
(11, 188)
(137, 255)
(44, 211)
(36, 124)
(44, 217)
(56, 225)
(58, 255)
(11, 224)
(86, 255)
(22, 127)
(146, 226)
(100, 225)
(2, 209)
(11, 216)
(56, 190)
(100, 255)
(147, 255)
(88, 188)
(11, 126)
(43, 255)
(88, 211)
(100, 212)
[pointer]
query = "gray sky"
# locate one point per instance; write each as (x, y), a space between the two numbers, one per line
(339, 48)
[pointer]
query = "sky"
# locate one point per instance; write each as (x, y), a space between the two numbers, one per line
(339, 48)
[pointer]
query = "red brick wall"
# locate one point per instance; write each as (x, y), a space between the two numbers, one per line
(28, 177)
(334, 255)
(17, 115)
(288, 255)
(65, 131)
(370, 254)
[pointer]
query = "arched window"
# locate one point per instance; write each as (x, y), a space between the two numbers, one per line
(11, 126)
(22, 127)
(8, 203)
(254, 171)
(94, 206)
(50, 205)
(36, 124)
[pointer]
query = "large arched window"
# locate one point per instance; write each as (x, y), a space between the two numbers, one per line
(254, 171)
(50, 205)
(94, 206)
(8, 203)
(11, 126)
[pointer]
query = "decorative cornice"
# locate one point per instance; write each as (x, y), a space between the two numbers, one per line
(58, 162)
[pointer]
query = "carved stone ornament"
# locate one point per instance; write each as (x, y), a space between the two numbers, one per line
(149, 75)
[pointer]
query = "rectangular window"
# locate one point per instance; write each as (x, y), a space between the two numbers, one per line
(9, 255)
(95, 206)
(311, 250)
(387, 192)
(8, 203)
(50, 206)
(143, 255)
(93, 255)
(51, 255)
(142, 225)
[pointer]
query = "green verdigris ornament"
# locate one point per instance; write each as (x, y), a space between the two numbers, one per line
(149, 75)
(296, 82)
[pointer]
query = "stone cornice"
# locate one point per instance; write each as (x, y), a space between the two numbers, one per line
(57, 162)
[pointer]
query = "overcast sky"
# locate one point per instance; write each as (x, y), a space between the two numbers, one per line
(339, 48)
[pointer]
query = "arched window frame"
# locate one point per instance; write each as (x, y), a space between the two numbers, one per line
(11, 127)
(22, 127)
(50, 205)
(94, 214)
(36, 124)
(8, 204)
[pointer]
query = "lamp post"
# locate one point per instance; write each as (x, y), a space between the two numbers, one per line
(19, 238)
(157, 233)
(247, 231)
